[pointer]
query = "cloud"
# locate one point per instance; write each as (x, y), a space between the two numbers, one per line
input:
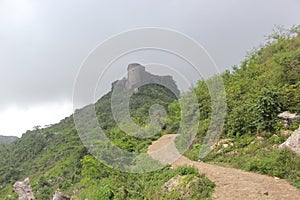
(15, 121)
(43, 43)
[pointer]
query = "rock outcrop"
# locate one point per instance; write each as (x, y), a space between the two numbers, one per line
(287, 118)
(293, 142)
(24, 190)
(171, 184)
(180, 184)
(60, 196)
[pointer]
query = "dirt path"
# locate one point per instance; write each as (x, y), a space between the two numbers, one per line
(230, 183)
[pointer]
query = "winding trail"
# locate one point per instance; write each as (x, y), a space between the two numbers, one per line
(230, 183)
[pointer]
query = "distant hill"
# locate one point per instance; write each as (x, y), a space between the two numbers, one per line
(7, 139)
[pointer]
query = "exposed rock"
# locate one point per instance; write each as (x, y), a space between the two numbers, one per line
(260, 138)
(60, 196)
(231, 153)
(293, 142)
(287, 118)
(285, 132)
(171, 184)
(220, 151)
(287, 115)
(179, 183)
(223, 142)
(24, 190)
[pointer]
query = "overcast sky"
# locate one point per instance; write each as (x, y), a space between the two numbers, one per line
(43, 43)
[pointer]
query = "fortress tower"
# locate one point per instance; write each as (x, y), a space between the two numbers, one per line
(137, 76)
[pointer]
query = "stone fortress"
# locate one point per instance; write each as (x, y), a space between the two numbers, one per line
(138, 76)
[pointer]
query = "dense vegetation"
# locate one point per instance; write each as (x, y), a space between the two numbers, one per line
(266, 83)
(54, 157)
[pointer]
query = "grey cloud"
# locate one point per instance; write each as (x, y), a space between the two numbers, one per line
(39, 61)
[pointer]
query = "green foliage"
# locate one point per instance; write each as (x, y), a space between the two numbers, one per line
(140, 103)
(147, 96)
(260, 155)
(291, 96)
(92, 169)
(192, 187)
(185, 170)
(174, 117)
(54, 157)
(120, 185)
(266, 83)
(268, 106)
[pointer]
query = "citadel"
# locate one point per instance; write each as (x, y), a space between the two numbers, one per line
(138, 76)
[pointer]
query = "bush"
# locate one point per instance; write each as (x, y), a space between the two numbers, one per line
(186, 170)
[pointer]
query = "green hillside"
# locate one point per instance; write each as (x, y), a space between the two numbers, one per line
(54, 157)
(266, 84)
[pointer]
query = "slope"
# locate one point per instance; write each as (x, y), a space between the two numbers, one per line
(54, 157)
(266, 84)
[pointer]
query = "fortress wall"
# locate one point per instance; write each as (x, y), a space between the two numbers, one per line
(166, 81)
(137, 76)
